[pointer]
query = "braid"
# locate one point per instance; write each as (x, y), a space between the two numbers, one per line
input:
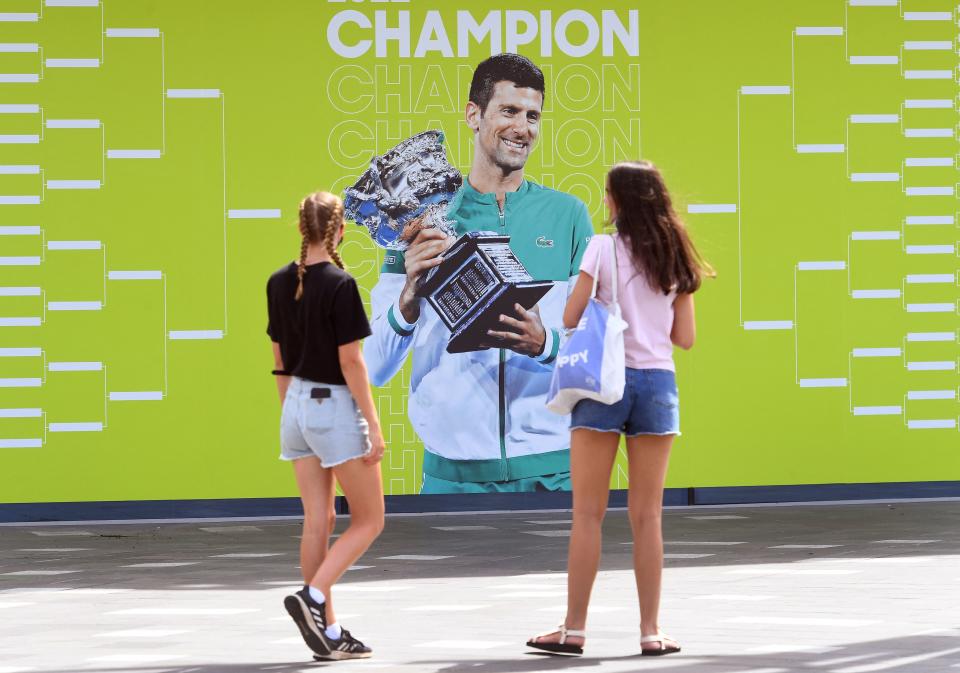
(314, 230)
(304, 243)
(336, 217)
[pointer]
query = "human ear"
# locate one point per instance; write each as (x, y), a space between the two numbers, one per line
(472, 114)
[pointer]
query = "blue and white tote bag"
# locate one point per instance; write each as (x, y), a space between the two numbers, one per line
(590, 365)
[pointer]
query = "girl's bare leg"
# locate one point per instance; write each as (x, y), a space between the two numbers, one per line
(317, 490)
(591, 461)
(648, 456)
(361, 483)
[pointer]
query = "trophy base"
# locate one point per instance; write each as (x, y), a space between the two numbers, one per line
(479, 279)
(471, 336)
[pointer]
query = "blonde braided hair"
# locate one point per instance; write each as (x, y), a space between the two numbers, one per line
(321, 215)
(336, 217)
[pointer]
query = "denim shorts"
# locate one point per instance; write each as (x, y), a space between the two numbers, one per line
(330, 428)
(650, 406)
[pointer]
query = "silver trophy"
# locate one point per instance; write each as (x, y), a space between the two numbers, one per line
(413, 179)
(409, 189)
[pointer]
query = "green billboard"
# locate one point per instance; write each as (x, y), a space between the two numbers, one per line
(154, 153)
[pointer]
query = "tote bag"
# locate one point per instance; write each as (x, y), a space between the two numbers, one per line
(590, 364)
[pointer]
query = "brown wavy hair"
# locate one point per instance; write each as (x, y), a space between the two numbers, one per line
(661, 247)
(321, 215)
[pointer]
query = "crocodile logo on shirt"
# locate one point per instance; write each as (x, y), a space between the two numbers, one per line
(544, 242)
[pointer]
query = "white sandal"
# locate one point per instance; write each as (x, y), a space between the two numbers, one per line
(658, 651)
(561, 647)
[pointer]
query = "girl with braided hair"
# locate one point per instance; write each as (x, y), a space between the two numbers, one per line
(329, 427)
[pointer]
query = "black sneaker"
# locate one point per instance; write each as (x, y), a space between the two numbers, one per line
(311, 618)
(347, 647)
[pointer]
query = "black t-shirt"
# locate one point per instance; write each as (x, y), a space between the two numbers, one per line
(329, 314)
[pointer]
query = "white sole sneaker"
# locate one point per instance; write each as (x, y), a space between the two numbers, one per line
(299, 611)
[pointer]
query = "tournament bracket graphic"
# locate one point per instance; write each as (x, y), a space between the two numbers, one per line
(150, 161)
(899, 263)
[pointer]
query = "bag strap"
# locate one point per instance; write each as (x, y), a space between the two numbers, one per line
(596, 272)
(616, 270)
(596, 277)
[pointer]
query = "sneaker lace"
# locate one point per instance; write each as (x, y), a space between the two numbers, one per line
(349, 643)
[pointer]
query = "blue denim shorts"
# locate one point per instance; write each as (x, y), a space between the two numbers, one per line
(330, 428)
(650, 406)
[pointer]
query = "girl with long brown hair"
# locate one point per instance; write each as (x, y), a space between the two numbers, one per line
(329, 427)
(657, 271)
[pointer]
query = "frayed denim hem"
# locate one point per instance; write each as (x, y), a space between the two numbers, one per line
(621, 432)
(587, 427)
(313, 455)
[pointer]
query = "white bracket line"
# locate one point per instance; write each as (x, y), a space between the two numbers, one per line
(132, 32)
(19, 17)
(927, 16)
(823, 383)
(194, 335)
(74, 366)
(138, 396)
(134, 154)
(822, 266)
(874, 60)
(250, 214)
(134, 275)
(768, 325)
(821, 148)
(916, 220)
(712, 208)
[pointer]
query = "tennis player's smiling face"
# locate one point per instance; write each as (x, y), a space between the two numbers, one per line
(509, 127)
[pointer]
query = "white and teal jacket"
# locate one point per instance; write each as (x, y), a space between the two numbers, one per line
(482, 415)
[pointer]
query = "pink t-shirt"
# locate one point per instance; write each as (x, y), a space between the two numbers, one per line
(648, 312)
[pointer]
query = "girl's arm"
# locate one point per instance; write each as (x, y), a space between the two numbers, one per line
(355, 372)
(283, 382)
(684, 331)
(577, 301)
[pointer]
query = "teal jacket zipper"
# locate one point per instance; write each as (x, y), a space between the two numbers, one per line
(504, 465)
